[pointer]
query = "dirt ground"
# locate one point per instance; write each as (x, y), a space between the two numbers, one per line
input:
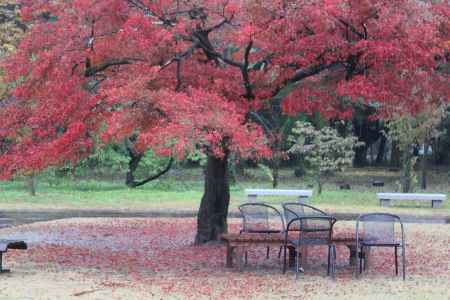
(155, 259)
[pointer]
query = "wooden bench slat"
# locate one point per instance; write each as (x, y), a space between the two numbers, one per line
(253, 237)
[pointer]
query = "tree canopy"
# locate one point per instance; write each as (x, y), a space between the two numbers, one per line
(184, 74)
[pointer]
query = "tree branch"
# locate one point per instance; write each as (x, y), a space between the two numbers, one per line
(352, 28)
(178, 87)
(140, 5)
(92, 70)
(132, 183)
(244, 70)
(311, 71)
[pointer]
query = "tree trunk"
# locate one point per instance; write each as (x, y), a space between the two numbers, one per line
(423, 166)
(213, 211)
(275, 174)
(395, 155)
(32, 184)
(319, 184)
(407, 171)
(381, 150)
(132, 166)
(276, 154)
(360, 159)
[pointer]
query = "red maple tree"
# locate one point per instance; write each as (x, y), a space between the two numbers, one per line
(185, 74)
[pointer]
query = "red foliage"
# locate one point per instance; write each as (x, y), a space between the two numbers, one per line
(184, 74)
(159, 253)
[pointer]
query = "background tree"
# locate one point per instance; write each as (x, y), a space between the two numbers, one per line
(184, 75)
(415, 132)
(324, 150)
(11, 31)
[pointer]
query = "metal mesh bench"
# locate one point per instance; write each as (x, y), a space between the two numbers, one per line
(9, 244)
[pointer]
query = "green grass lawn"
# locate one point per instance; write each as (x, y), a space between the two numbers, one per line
(182, 189)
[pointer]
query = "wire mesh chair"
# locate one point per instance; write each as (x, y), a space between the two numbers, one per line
(313, 230)
(294, 210)
(260, 218)
(380, 230)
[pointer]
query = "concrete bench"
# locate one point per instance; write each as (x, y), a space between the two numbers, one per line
(9, 244)
(302, 195)
(387, 198)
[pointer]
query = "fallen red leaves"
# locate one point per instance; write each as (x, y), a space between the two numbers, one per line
(158, 253)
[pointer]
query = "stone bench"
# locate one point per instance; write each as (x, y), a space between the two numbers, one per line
(302, 195)
(435, 199)
(9, 244)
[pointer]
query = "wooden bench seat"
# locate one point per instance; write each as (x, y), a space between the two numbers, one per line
(9, 244)
(237, 244)
(436, 200)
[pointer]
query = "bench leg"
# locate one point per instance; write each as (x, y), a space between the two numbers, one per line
(229, 259)
(436, 203)
(240, 252)
(353, 259)
(366, 257)
(304, 256)
(1, 264)
(291, 261)
(385, 202)
(252, 198)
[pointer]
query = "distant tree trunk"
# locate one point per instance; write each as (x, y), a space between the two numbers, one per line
(407, 171)
(213, 211)
(319, 184)
(381, 150)
(423, 166)
(395, 155)
(135, 158)
(360, 159)
(31, 183)
(275, 175)
(276, 154)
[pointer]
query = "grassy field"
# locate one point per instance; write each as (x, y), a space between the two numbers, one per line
(181, 189)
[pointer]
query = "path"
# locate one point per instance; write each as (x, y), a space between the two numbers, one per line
(17, 217)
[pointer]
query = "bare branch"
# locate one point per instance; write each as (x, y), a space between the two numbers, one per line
(244, 70)
(178, 87)
(311, 71)
(217, 26)
(92, 70)
(147, 11)
(351, 27)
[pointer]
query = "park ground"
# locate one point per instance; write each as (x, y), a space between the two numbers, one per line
(154, 258)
